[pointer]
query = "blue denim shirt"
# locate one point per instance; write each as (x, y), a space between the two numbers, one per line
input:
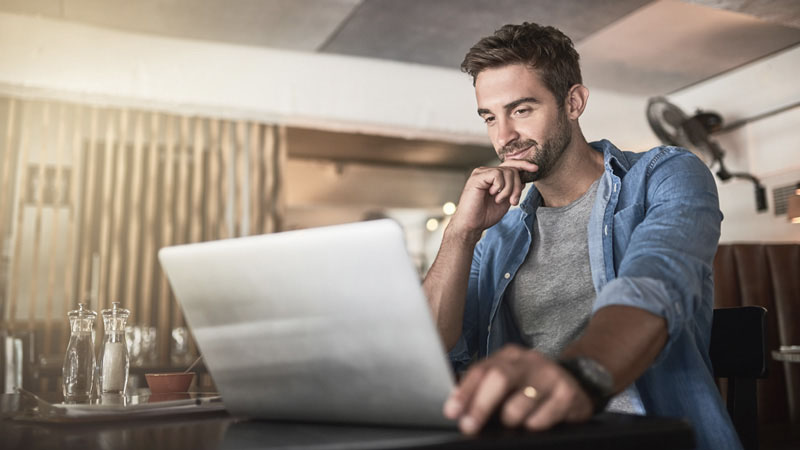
(653, 233)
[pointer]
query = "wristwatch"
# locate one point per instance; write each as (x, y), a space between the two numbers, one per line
(595, 380)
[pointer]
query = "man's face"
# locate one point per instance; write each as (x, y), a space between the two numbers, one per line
(523, 119)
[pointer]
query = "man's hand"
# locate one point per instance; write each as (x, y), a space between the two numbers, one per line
(488, 194)
(528, 388)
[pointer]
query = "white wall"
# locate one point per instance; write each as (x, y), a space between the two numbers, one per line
(53, 58)
(618, 118)
(767, 148)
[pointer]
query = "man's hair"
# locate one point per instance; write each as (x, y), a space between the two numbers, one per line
(545, 49)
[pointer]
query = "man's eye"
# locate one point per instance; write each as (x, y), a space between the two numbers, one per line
(522, 111)
(488, 120)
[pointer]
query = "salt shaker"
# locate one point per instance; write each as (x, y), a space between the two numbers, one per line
(114, 362)
(78, 369)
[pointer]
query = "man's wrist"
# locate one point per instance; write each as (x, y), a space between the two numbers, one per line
(595, 380)
(463, 236)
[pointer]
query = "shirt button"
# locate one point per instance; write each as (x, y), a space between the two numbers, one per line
(605, 230)
(489, 329)
(507, 275)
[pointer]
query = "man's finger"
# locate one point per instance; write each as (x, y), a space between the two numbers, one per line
(520, 406)
(459, 399)
(517, 191)
(493, 389)
(508, 188)
(498, 182)
(553, 409)
(520, 164)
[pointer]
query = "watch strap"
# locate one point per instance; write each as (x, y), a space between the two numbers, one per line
(593, 378)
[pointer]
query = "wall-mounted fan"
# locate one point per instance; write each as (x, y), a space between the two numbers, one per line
(674, 127)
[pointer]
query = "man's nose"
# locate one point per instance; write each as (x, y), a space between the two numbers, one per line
(506, 133)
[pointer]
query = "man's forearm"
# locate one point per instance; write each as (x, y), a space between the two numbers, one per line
(446, 283)
(623, 339)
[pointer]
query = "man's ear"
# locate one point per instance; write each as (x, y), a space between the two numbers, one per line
(576, 100)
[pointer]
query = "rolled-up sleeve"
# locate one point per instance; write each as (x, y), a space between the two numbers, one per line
(670, 251)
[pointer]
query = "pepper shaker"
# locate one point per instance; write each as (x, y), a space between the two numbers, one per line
(78, 369)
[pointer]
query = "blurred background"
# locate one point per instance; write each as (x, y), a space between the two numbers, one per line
(129, 126)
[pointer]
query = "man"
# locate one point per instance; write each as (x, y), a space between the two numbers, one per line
(598, 287)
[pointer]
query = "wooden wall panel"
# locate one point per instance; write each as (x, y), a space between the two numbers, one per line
(87, 229)
(133, 220)
(167, 230)
(33, 292)
(120, 178)
(14, 279)
(149, 259)
(6, 187)
(73, 267)
(54, 232)
(106, 216)
(138, 181)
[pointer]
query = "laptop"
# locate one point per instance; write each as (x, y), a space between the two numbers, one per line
(326, 325)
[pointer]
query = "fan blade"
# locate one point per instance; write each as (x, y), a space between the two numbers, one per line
(666, 121)
(673, 116)
(695, 132)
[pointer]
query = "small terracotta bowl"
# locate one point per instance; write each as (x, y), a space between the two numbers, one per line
(161, 383)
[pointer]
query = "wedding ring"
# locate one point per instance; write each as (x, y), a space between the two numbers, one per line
(530, 392)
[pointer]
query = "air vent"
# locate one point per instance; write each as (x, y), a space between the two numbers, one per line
(780, 198)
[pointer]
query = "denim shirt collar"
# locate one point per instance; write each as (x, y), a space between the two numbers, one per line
(614, 161)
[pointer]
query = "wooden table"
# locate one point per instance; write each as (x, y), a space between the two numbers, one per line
(218, 430)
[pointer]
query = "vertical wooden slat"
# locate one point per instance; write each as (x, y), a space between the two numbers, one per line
(148, 260)
(224, 229)
(94, 278)
(88, 225)
(278, 171)
(183, 196)
(33, 293)
(265, 196)
(198, 179)
(196, 226)
(166, 239)
(18, 232)
(254, 160)
(72, 230)
(213, 182)
(183, 182)
(54, 224)
(5, 176)
(134, 217)
(239, 189)
(105, 221)
(119, 201)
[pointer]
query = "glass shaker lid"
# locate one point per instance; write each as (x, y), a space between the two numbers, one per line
(116, 311)
(82, 312)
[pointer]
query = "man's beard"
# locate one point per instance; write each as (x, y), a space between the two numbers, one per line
(545, 156)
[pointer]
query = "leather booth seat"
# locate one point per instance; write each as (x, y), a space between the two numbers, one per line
(767, 275)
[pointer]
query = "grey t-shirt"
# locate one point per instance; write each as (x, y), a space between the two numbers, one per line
(552, 293)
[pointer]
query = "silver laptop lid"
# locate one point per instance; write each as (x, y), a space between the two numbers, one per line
(324, 324)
